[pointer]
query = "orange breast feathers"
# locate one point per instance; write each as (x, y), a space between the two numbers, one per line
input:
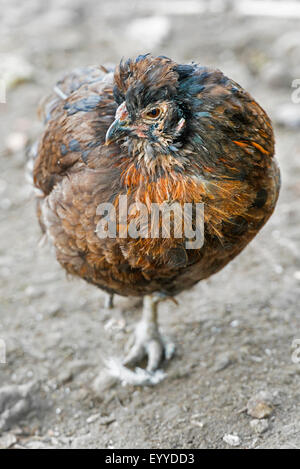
(222, 199)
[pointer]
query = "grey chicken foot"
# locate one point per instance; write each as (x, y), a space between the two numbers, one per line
(147, 342)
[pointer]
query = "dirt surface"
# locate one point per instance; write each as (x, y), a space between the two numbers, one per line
(234, 332)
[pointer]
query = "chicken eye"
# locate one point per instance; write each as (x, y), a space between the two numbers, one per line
(154, 113)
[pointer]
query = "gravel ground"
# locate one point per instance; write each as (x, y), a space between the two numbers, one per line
(235, 380)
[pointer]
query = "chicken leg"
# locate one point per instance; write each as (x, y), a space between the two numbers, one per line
(147, 342)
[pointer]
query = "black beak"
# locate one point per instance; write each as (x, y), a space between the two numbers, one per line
(117, 130)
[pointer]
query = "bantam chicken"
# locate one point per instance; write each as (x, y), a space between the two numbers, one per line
(157, 133)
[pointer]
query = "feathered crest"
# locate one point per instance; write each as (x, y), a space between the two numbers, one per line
(144, 80)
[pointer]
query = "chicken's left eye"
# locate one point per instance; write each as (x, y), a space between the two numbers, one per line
(154, 113)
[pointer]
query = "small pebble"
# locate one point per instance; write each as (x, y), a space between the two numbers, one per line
(259, 426)
(232, 440)
(34, 292)
(278, 269)
(235, 323)
(53, 309)
(195, 420)
(223, 361)
(65, 376)
(260, 405)
(16, 141)
(107, 420)
(7, 441)
(114, 325)
(92, 418)
(15, 402)
(297, 275)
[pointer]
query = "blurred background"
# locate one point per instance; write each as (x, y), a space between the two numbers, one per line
(235, 332)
